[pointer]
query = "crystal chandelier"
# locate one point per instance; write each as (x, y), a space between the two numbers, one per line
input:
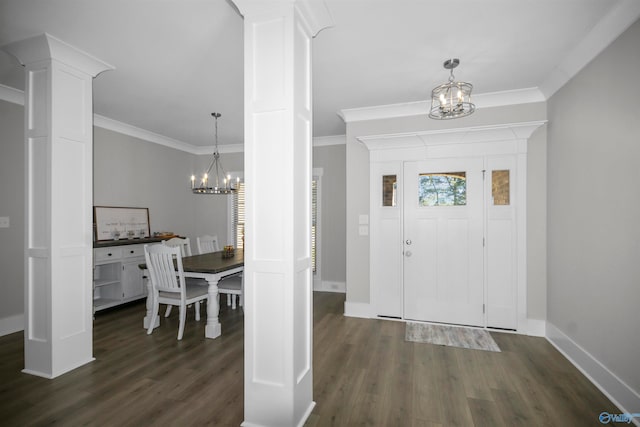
(211, 184)
(451, 100)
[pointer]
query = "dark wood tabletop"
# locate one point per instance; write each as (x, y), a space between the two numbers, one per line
(213, 262)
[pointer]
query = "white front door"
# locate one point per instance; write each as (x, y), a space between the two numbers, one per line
(443, 241)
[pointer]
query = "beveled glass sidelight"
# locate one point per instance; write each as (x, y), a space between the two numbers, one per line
(389, 187)
(500, 185)
(442, 189)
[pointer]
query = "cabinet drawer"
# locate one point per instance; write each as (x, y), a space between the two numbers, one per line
(106, 254)
(133, 251)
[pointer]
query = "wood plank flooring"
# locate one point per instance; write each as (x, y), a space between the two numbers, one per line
(365, 374)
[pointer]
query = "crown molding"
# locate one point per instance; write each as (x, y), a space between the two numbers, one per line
(136, 132)
(528, 95)
(315, 13)
(421, 108)
(46, 46)
(325, 141)
(471, 134)
(387, 111)
(9, 94)
(16, 96)
(609, 28)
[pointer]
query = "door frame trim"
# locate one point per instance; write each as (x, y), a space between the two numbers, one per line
(487, 140)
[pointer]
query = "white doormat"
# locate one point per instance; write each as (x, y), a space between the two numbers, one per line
(454, 336)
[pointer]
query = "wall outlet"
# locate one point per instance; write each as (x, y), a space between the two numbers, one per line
(4, 222)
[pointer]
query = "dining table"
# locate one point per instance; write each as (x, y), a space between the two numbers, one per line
(211, 267)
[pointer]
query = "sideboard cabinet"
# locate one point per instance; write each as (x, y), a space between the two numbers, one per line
(116, 276)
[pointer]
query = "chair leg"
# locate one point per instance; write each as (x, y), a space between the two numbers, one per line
(197, 304)
(168, 312)
(228, 300)
(233, 301)
(154, 316)
(183, 316)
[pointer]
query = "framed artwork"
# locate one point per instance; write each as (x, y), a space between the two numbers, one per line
(115, 223)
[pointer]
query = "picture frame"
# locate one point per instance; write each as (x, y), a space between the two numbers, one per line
(116, 223)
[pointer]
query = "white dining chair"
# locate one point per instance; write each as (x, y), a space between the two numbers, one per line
(184, 243)
(168, 284)
(207, 244)
(232, 285)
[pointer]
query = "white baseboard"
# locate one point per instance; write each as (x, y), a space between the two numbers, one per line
(357, 309)
(536, 328)
(11, 324)
(326, 286)
(623, 396)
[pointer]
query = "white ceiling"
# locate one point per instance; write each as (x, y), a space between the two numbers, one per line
(176, 61)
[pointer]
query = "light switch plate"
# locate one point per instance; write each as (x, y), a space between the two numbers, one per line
(4, 222)
(363, 219)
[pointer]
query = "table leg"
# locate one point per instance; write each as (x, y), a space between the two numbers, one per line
(149, 315)
(213, 328)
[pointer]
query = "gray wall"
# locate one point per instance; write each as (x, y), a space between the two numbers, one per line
(12, 205)
(594, 208)
(332, 159)
(133, 172)
(358, 193)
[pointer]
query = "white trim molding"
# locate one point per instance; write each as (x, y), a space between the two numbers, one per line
(536, 328)
(473, 134)
(328, 286)
(358, 309)
(609, 28)
(11, 324)
(421, 108)
(324, 141)
(12, 95)
(34, 48)
(136, 132)
(16, 96)
(623, 396)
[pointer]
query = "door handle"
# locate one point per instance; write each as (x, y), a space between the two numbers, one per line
(407, 253)
(408, 242)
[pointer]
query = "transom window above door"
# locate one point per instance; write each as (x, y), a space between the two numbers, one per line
(442, 189)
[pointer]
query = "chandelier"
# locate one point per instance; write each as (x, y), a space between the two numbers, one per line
(211, 184)
(451, 100)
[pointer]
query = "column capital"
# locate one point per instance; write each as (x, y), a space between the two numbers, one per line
(46, 47)
(315, 12)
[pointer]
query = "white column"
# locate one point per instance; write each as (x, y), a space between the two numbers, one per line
(278, 169)
(58, 334)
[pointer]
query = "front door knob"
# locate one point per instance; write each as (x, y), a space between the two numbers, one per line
(408, 242)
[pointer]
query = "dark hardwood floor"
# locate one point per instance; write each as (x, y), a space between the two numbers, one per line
(364, 374)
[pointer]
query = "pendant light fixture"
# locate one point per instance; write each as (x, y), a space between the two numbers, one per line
(451, 100)
(219, 182)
